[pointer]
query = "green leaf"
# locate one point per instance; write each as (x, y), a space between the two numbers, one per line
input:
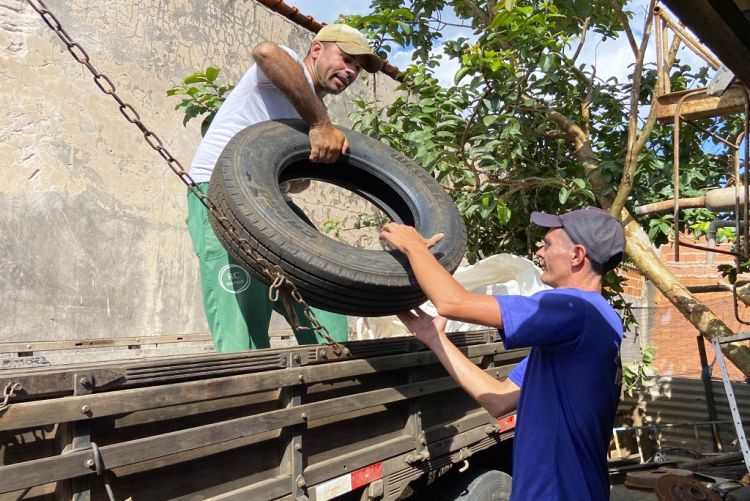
(563, 196)
(546, 62)
(503, 214)
(212, 73)
(461, 73)
(195, 78)
(204, 95)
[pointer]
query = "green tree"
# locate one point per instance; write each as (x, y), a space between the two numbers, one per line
(527, 126)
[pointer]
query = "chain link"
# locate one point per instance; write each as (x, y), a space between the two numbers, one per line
(9, 392)
(280, 283)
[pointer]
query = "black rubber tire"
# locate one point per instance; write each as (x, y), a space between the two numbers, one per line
(329, 274)
(486, 485)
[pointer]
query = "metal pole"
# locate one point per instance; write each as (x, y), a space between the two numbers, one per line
(676, 171)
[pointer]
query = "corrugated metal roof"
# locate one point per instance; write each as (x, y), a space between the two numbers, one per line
(309, 23)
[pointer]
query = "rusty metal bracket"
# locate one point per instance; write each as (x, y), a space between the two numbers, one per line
(83, 384)
(417, 457)
(292, 397)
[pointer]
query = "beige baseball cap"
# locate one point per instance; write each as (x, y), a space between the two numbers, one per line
(352, 42)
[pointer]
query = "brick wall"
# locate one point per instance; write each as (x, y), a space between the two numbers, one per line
(664, 327)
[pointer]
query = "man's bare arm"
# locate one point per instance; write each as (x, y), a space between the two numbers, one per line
(326, 141)
(498, 397)
(449, 297)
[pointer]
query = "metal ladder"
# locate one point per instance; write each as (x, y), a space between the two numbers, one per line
(717, 342)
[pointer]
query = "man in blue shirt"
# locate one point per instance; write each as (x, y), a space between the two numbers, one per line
(566, 391)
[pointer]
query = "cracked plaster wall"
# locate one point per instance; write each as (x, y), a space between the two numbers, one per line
(94, 243)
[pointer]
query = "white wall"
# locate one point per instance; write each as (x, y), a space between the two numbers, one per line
(94, 243)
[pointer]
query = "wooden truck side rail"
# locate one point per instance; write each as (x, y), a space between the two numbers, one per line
(295, 423)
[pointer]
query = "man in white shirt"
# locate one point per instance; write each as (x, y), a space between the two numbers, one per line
(280, 84)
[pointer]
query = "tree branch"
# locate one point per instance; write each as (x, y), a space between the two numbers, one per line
(589, 85)
(491, 5)
(636, 142)
(479, 13)
(582, 40)
(586, 109)
(626, 24)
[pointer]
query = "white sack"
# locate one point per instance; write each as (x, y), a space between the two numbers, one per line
(501, 274)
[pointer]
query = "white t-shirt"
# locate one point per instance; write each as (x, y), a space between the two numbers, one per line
(254, 99)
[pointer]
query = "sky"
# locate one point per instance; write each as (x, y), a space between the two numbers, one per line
(612, 58)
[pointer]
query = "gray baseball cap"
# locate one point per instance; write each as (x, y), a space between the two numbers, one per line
(594, 228)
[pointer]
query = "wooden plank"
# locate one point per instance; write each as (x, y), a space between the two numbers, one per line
(473, 427)
(200, 452)
(46, 381)
(35, 346)
(202, 477)
(153, 416)
(325, 442)
(176, 374)
(700, 105)
(72, 464)
(273, 488)
(43, 492)
(478, 419)
(66, 409)
(321, 471)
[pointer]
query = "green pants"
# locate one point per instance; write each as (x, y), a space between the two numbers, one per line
(236, 303)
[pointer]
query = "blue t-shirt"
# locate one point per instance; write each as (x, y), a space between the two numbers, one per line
(570, 386)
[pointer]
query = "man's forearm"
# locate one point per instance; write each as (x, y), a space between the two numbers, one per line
(437, 284)
(286, 75)
(498, 397)
(326, 141)
(449, 297)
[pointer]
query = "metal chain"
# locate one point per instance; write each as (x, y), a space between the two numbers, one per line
(274, 274)
(9, 392)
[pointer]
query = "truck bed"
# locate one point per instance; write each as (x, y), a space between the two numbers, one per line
(305, 422)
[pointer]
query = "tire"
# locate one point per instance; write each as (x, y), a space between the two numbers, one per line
(487, 485)
(329, 274)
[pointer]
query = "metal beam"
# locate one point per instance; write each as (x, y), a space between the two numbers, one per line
(701, 105)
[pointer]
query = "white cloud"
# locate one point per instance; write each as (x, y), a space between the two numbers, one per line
(611, 58)
(446, 71)
(401, 58)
